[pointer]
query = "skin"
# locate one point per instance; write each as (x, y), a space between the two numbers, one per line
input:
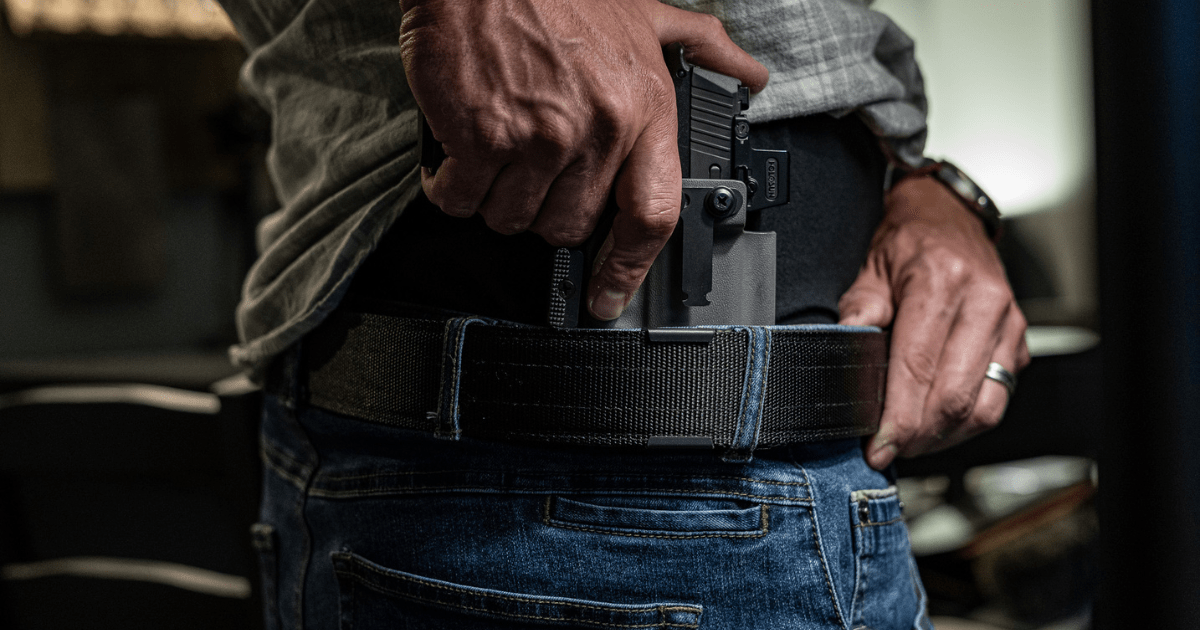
(545, 106)
(935, 278)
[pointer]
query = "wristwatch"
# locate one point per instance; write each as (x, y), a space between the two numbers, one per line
(963, 187)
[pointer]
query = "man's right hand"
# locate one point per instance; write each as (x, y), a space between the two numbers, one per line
(543, 106)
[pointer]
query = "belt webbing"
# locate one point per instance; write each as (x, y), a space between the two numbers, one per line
(746, 388)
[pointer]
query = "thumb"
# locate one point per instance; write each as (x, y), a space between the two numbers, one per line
(868, 302)
(648, 192)
(706, 44)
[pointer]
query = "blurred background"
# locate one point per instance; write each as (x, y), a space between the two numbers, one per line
(131, 177)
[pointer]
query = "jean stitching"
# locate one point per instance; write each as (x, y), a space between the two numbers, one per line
(592, 476)
(530, 600)
(859, 578)
(309, 473)
(758, 534)
(922, 621)
(412, 597)
(289, 469)
(282, 472)
(454, 338)
(667, 625)
(335, 494)
(866, 582)
(758, 356)
(289, 459)
(837, 606)
(763, 530)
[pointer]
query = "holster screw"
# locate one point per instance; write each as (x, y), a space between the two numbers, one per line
(721, 202)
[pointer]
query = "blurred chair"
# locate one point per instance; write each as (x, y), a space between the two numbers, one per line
(127, 506)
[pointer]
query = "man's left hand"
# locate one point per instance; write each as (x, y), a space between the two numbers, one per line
(934, 276)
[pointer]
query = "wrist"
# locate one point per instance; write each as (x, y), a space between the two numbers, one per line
(970, 196)
(920, 200)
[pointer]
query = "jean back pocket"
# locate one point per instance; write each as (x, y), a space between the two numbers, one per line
(373, 596)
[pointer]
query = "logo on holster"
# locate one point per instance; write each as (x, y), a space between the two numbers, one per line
(772, 179)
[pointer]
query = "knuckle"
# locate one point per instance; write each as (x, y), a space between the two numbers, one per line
(439, 195)
(613, 123)
(492, 135)
(909, 240)
(712, 24)
(1019, 323)
(457, 211)
(851, 300)
(556, 136)
(987, 421)
(953, 267)
(905, 429)
(508, 229)
(921, 365)
(612, 114)
(658, 225)
(660, 90)
(1023, 359)
(506, 223)
(956, 406)
(566, 237)
(994, 292)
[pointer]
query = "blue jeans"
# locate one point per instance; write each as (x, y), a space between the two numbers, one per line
(367, 526)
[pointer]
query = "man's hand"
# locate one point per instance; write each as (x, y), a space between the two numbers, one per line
(933, 275)
(543, 105)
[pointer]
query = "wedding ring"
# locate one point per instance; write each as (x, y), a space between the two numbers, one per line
(997, 373)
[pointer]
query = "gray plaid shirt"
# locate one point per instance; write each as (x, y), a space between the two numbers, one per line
(344, 159)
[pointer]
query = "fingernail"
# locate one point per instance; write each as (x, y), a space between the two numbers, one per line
(882, 456)
(607, 305)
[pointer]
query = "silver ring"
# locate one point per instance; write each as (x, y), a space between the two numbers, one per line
(997, 373)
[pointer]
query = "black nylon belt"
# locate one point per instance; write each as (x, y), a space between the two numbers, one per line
(736, 388)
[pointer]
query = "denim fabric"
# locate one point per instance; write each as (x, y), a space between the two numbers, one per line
(368, 526)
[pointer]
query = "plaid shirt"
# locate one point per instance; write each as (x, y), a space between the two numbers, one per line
(344, 162)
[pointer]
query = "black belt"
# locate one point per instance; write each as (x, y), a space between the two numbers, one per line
(735, 388)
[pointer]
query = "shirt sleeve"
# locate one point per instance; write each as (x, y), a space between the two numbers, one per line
(900, 121)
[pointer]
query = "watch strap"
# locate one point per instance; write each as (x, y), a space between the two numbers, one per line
(963, 187)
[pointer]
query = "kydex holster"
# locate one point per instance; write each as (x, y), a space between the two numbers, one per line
(716, 269)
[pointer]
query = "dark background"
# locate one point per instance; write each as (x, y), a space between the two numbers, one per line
(130, 181)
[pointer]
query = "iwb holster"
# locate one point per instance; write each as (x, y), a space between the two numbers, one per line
(714, 270)
(694, 361)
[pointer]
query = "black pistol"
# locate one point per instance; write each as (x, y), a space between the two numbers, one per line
(713, 270)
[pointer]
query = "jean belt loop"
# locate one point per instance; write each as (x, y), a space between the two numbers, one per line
(284, 376)
(754, 388)
(454, 338)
